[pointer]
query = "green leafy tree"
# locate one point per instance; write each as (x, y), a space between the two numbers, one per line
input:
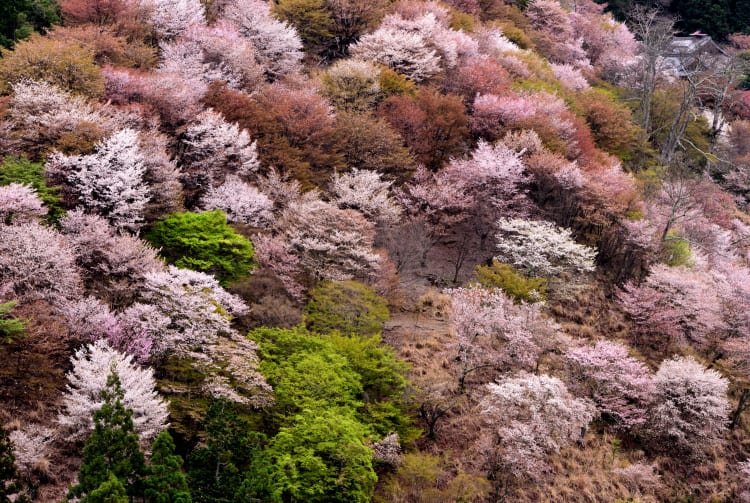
(10, 484)
(334, 371)
(203, 242)
(166, 483)
(11, 329)
(347, 306)
(111, 449)
(22, 171)
(109, 491)
(321, 458)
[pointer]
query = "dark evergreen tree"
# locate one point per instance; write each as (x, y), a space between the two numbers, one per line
(9, 479)
(111, 448)
(166, 483)
(216, 471)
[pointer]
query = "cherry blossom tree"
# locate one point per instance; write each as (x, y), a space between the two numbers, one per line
(672, 305)
(367, 193)
(528, 418)
(216, 52)
(86, 382)
(619, 385)
(192, 310)
(175, 99)
(278, 47)
(690, 409)
(241, 202)
(556, 38)
(213, 147)
(435, 199)
(542, 248)
(110, 181)
(42, 114)
(491, 331)
(330, 243)
(89, 320)
(19, 203)
(36, 262)
(404, 51)
(172, 17)
(31, 445)
(272, 253)
(114, 264)
(570, 77)
(493, 177)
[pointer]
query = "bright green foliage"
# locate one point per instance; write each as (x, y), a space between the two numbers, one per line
(314, 380)
(321, 458)
(22, 171)
(512, 282)
(347, 306)
(109, 491)
(9, 480)
(203, 242)
(333, 371)
(166, 483)
(676, 250)
(111, 449)
(11, 329)
(217, 471)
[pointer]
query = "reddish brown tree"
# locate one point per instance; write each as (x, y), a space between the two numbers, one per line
(434, 125)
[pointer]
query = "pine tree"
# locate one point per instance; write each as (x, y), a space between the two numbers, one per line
(166, 483)
(111, 448)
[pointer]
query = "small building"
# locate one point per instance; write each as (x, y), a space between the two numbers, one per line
(686, 54)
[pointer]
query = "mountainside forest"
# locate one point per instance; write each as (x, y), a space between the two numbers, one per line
(391, 251)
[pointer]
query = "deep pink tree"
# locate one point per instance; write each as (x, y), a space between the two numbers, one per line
(673, 305)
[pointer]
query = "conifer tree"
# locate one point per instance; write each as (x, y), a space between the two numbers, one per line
(111, 449)
(166, 483)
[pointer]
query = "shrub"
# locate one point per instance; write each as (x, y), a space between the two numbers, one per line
(347, 306)
(512, 282)
(203, 242)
